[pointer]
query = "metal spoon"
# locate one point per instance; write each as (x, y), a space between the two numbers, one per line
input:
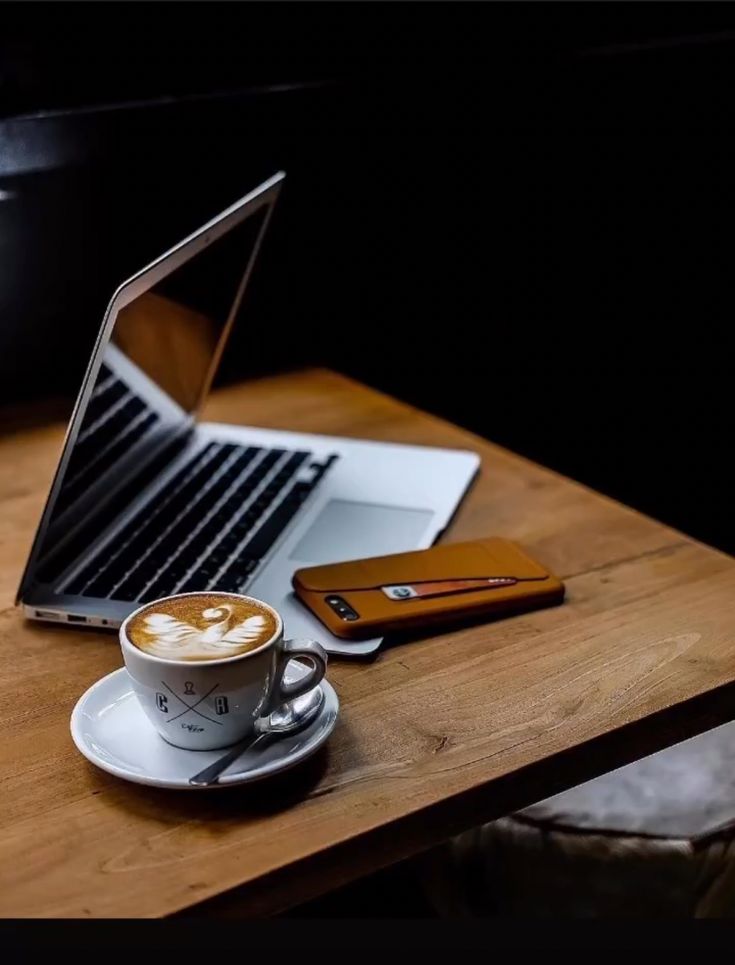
(288, 719)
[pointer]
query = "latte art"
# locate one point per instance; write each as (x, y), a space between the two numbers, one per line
(206, 626)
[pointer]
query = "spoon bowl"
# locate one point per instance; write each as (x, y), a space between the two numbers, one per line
(289, 718)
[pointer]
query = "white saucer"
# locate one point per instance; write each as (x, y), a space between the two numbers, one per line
(110, 729)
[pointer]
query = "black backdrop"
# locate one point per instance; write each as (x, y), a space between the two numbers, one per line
(519, 217)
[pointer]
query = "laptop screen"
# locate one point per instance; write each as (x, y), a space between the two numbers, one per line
(155, 370)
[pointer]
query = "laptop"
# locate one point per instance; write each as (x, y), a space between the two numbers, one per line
(148, 501)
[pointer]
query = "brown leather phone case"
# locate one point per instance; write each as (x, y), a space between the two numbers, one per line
(370, 597)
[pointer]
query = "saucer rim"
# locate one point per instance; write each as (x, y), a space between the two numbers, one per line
(329, 714)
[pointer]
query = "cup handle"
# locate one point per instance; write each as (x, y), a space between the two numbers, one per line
(310, 651)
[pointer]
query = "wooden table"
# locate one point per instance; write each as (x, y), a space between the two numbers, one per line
(434, 736)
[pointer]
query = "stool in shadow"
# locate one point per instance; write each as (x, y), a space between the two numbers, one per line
(654, 838)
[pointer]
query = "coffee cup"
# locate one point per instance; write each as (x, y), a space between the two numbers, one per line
(206, 666)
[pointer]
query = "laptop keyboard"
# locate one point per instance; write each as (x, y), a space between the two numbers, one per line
(209, 527)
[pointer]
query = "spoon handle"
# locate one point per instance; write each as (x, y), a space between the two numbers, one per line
(210, 774)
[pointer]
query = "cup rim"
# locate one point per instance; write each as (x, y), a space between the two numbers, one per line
(125, 641)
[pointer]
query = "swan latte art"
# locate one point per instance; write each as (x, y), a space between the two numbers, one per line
(203, 626)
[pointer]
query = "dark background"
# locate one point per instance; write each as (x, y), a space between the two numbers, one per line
(520, 217)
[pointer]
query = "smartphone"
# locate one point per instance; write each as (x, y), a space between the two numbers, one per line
(451, 582)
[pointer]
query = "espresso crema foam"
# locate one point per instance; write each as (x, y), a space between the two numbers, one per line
(205, 626)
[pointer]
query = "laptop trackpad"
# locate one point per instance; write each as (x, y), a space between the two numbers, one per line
(349, 531)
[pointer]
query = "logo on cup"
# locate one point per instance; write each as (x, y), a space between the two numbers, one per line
(221, 705)
(189, 688)
(162, 703)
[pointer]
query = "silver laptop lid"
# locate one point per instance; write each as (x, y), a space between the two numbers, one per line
(151, 368)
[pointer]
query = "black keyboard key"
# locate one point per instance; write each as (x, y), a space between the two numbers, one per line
(163, 586)
(237, 573)
(133, 584)
(171, 543)
(147, 570)
(269, 460)
(243, 526)
(127, 558)
(129, 594)
(294, 461)
(300, 492)
(100, 587)
(229, 583)
(196, 584)
(219, 522)
(228, 543)
(215, 561)
(136, 586)
(150, 594)
(196, 547)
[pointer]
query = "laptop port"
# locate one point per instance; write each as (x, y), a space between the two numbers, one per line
(75, 619)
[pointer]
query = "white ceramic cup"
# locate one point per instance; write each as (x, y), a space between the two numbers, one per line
(206, 704)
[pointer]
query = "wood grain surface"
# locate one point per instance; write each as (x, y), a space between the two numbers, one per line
(434, 735)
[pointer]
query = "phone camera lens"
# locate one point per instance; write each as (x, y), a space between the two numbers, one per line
(343, 610)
